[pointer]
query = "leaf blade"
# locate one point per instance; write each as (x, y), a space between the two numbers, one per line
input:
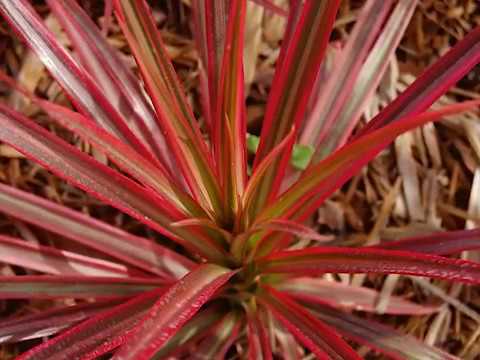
(174, 112)
(133, 250)
(315, 335)
(318, 260)
(55, 262)
(173, 309)
(78, 287)
(98, 334)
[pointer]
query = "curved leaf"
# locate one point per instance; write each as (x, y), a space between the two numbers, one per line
(291, 88)
(88, 98)
(97, 335)
(56, 262)
(78, 287)
(46, 323)
(319, 260)
(175, 115)
(99, 180)
(322, 340)
(173, 310)
(442, 243)
(140, 252)
(117, 81)
(382, 338)
(312, 290)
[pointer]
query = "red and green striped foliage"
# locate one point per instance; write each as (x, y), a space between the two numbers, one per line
(233, 287)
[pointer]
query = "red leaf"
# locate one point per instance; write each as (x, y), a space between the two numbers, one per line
(312, 290)
(369, 78)
(442, 243)
(97, 179)
(320, 180)
(45, 323)
(382, 338)
(133, 250)
(88, 98)
(175, 115)
(259, 347)
(433, 83)
(218, 338)
(78, 287)
(292, 86)
(230, 125)
(193, 330)
(56, 262)
(336, 93)
(173, 310)
(118, 82)
(319, 260)
(314, 334)
(97, 335)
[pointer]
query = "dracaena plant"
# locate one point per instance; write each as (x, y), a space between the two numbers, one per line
(239, 285)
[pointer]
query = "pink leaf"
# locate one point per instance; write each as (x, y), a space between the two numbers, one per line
(140, 252)
(319, 260)
(45, 323)
(312, 290)
(384, 339)
(97, 179)
(174, 112)
(442, 243)
(88, 98)
(432, 84)
(119, 84)
(78, 287)
(56, 262)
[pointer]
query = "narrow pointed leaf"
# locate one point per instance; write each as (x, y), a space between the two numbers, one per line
(259, 347)
(313, 290)
(193, 329)
(211, 28)
(175, 115)
(97, 179)
(55, 262)
(368, 79)
(51, 287)
(173, 310)
(443, 243)
(118, 82)
(219, 338)
(140, 252)
(384, 339)
(322, 340)
(336, 93)
(88, 98)
(230, 125)
(126, 158)
(432, 84)
(278, 154)
(46, 323)
(97, 335)
(292, 86)
(319, 260)
(320, 180)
